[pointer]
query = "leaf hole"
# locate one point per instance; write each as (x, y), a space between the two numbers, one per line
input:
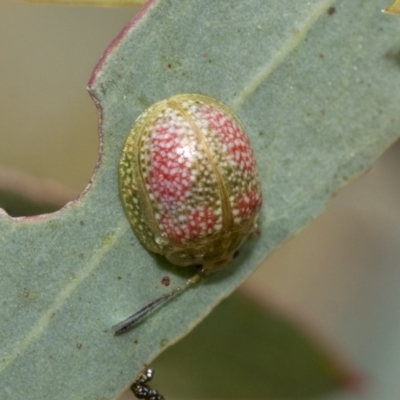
(49, 122)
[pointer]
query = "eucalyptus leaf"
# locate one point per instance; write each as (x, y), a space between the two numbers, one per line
(316, 84)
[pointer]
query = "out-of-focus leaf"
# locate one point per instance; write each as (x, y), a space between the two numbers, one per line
(244, 352)
(394, 8)
(316, 85)
(23, 194)
(99, 3)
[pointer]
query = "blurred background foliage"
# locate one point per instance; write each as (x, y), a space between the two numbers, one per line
(394, 8)
(338, 280)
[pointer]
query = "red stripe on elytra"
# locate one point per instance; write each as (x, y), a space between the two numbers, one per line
(198, 224)
(169, 175)
(249, 204)
(232, 136)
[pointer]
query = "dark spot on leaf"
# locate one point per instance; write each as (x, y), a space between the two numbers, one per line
(79, 346)
(394, 56)
(257, 232)
(331, 10)
(166, 280)
(321, 56)
(136, 341)
(144, 100)
(82, 223)
(169, 65)
(118, 277)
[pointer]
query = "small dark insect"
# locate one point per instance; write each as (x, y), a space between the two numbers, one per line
(142, 391)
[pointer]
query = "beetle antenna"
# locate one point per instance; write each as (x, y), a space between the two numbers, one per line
(127, 323)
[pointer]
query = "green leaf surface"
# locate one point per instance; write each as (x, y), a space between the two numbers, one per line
(315, 83)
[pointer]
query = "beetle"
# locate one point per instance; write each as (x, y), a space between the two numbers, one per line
(189, 185)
